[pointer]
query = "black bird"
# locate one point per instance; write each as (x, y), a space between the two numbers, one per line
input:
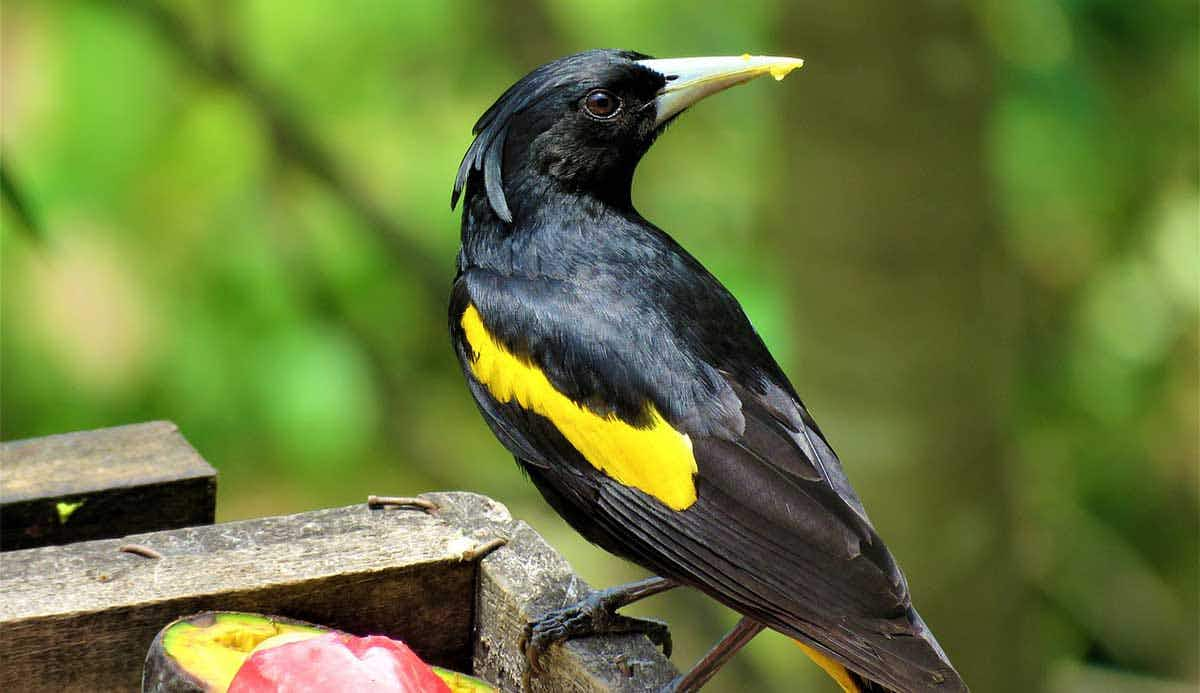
(633, 390)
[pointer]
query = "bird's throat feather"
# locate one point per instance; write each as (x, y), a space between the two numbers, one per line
(656, 458)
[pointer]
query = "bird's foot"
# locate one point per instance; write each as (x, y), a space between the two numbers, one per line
(593, 615)
(716, 658)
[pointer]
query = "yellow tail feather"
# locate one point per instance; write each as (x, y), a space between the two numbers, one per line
(835, 670)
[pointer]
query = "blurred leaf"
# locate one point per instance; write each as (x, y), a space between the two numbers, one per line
(315, 397)
(15, 198)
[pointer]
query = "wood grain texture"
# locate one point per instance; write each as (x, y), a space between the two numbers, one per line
(522, 581)
(117, 481)
(81, 617)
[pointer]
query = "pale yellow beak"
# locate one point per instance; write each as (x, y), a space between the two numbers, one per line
(692, 79)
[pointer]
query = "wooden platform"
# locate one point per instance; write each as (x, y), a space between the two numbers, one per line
(458, 584)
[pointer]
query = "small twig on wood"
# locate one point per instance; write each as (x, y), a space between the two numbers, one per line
(139, 550)
(483, 549)
(428, 506)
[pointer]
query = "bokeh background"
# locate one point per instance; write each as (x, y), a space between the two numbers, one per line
(968, 231)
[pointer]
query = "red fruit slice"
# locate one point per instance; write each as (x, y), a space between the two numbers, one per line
(337, 662)
(203, 652)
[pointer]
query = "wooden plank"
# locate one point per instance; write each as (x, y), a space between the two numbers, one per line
(522, 581)
(81, 617)
(99, 484)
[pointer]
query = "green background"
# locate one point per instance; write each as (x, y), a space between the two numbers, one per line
(968, 232)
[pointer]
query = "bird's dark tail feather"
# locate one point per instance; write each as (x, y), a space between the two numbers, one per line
(866, 686)
(853, 682)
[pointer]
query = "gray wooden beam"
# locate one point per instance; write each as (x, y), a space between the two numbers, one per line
(99, 484)
(80, 617)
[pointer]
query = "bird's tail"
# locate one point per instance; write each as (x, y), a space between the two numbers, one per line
(848, 680)
(869, 686)
(853, 682)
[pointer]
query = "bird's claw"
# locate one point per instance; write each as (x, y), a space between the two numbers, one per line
(594, 615)
(657, 632)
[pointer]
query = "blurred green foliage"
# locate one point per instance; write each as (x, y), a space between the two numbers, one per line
(243, 227)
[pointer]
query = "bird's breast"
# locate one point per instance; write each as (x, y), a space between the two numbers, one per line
(655, 458)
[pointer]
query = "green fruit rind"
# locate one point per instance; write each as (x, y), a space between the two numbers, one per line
(461, 683)
(201, 653)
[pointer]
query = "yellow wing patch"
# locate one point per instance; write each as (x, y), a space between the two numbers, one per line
(657, 459)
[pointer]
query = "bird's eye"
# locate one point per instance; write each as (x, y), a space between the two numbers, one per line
(601, 104)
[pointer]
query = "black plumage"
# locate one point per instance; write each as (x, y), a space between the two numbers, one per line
(567, 276)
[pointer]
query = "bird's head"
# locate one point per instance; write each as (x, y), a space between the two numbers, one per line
(582, 123)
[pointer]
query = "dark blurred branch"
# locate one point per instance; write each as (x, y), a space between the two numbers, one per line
(14, 195)
(295, 142)
(297, 145)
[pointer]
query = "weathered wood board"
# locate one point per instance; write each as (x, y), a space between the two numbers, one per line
(80, 617)
(520, 583)
(99, 484)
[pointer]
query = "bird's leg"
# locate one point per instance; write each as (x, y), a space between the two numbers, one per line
(597, 614)
(704, 670)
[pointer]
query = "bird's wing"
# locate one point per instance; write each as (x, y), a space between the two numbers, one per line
(785, 548)
(771, 528)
